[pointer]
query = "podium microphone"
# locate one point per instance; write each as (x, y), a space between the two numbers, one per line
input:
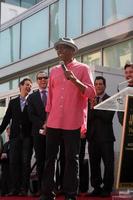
(118, 86)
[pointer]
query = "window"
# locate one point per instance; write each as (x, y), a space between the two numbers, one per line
(27, 3)
(15, 42)
(117, 9)
(13, 84)
(2, 102)
(92, 59)
(9, 45)
(5, 57)
(92, 15)
(23, 3)
(57, 21)
(116, 56)
(14, 2)
(73, 18)
(4, 87)
(35, 33)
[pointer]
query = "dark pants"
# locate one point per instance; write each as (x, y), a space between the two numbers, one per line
(97, 152)
(60, 167)
(71, 140)
(39, 142)
(83, 168)
(5, 180)
(20, 163)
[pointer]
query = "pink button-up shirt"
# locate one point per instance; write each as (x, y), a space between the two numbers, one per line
(66, 104)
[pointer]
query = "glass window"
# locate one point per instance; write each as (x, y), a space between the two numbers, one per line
(92, 15)
(92, 59)
(4, 87)
(117, 9)
(37, 1)
(23, 3)
(57, 21)
(121, 54)
(5, 56)
(2, 102)
(35, 33)
(27, 3)
(9, 45)
(33, 77)
(14, 2)
(73, 18)
(15, 42)
(13, 84)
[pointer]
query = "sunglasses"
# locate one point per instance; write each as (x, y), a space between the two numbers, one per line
(43, 77)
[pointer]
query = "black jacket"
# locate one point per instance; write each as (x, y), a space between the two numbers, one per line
(20, 124)
(100, 127)
(36, 111)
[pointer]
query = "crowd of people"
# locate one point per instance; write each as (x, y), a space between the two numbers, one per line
(55, 121)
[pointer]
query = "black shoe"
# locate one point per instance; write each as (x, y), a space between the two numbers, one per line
(105, 193)
(23, 193)
(13, 193)
(4, 194)
(70, 198)
(37, 194)
(59, 192)
(42, 197)
(95, 193)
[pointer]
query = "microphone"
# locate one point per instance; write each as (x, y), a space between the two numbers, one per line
(118, 86)
(63, 66)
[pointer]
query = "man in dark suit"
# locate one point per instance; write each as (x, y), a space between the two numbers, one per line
(101, 143)
(37, 114)
(20, 140)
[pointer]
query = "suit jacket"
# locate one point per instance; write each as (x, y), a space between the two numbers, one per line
(36, 111)
(100, 126)
(20, 124)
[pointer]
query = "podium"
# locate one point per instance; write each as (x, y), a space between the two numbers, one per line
(123, 102)
(116, 102)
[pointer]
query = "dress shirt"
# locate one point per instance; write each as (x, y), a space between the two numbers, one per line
(66, 104)
(22, 102)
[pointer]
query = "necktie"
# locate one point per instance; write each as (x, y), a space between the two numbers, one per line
(44, 97)
(97, 99)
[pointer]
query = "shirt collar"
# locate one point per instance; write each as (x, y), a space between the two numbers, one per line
(23, 98)
(101, 96)
(42, 90)
(71, 64)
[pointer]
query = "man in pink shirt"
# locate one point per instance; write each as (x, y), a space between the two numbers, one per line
(70, 86)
